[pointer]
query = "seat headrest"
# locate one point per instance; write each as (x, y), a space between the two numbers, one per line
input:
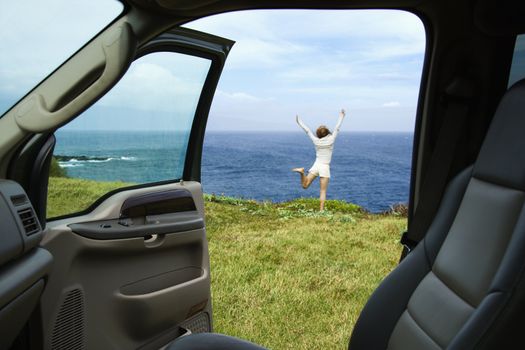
(502, 155)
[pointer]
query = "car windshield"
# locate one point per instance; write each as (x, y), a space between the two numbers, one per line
(37, 36)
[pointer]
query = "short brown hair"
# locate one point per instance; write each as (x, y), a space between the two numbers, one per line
(322, 131)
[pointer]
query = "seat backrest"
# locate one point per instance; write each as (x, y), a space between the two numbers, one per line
(463, 286)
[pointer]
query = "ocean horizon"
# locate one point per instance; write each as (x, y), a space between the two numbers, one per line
(371, 169)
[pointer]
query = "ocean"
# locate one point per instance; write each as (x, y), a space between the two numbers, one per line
(369, 169)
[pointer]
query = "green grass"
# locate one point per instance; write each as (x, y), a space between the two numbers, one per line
(66, 195)
(288, 277)
(284, 275)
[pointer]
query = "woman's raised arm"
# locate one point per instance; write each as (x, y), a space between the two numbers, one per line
(339, 122)
(305, 128)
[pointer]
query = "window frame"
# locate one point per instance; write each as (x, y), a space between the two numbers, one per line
(197, 46)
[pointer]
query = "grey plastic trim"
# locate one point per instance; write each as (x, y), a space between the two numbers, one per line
(16, 239)
(14, 315)
(19, 275)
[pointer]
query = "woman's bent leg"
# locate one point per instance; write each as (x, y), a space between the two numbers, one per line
(323, 181)
(301, 172)
(307, 180)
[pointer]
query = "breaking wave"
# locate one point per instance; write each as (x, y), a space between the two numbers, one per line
(80, 160)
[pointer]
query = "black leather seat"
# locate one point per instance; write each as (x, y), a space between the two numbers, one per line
(463, 286)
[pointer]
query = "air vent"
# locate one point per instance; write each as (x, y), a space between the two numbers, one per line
(19, 199)
(28, 221)
(68, 331)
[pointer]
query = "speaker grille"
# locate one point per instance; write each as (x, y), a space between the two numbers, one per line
(198, 324)
(68, 331)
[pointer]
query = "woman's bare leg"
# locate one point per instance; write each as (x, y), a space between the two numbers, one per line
(306, 180)
(323, 181)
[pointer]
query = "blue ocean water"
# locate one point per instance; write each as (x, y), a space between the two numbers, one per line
(130, 156)
(370, 169)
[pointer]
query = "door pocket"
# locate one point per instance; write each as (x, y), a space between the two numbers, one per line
(154, 304)
(162, 281)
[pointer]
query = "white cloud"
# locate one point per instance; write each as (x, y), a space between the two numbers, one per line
(160, 82)
(382, 119)
(238, 97)
(231, 109)
(256, 53)
(263, 35)
(350, 58)
(391, 104)
(321, 71)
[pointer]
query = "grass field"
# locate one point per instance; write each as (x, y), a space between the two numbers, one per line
(66, 196)
(283, 275)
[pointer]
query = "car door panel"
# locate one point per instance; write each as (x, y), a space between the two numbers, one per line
(127, 292)
(133, 269)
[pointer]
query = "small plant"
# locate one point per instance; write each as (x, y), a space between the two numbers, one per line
(398, 209)
(55, 170)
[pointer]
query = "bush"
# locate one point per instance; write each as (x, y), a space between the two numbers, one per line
(331, 205)
(55, 170)
(398, 209)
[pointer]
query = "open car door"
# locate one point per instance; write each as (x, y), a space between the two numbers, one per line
(132, 270)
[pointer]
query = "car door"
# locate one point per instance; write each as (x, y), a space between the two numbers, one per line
(132, 269)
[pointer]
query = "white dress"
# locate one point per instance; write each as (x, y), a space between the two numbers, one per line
(324, 148)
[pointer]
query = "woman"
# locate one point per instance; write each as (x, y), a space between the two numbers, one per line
(324, 146)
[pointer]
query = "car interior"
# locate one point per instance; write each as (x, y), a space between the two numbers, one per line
(132, 271)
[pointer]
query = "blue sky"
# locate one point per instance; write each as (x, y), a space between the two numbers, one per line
(311, 63)
(315, 62)
(37, 36)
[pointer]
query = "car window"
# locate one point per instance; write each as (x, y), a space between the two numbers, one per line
(137, 133)
(37, 36)
(517, 70)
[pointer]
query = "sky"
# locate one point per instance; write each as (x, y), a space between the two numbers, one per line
(37, 36)
(313, 63)
(284, 62)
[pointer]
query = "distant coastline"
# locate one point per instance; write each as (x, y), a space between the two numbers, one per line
(62, 158)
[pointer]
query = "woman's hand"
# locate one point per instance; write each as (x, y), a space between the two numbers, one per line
(342, 113)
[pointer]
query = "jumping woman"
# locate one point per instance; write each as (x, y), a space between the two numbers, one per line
(324, 146)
